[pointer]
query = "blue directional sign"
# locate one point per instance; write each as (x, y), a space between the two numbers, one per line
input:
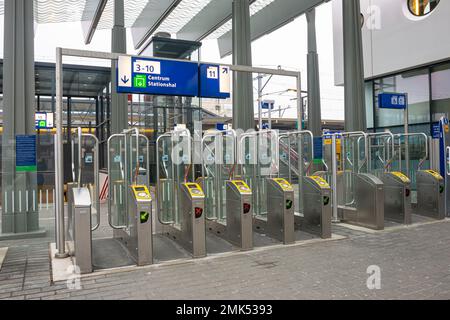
(393, 101)
(44, 120)
(220, 126)
(318, 148)
(436, 130)
(26, 153)
(214, 81)
(268, 104)
(136, 75)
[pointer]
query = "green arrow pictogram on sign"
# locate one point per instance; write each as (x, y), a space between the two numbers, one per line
(140, 81)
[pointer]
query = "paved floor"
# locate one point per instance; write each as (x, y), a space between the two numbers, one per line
(414, 263)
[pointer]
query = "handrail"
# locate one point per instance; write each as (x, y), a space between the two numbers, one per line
(72, 144)
(110, 183)
(256, 134)
(171, 135)
(303, 132)
(158, 180)
(96, 178)
(80, 136)
(422, 161)
(137, 135)
(366, 147)
(210, 172)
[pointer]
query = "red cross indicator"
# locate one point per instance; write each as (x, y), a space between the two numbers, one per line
(198, 213)
(247, 208)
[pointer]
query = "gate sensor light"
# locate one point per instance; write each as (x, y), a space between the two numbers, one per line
(247, 208)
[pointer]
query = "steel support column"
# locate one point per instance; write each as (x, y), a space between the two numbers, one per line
(243, 109)
(119, 102)
(355, 109)
(19, 189)
(314, 105)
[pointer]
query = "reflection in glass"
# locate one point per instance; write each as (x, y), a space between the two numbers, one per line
(422, 7)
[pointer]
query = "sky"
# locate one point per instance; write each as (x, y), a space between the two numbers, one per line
(285, 47)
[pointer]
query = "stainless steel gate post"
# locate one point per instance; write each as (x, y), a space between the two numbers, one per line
(82, 229)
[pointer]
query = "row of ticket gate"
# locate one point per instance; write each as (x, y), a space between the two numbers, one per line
(235, 202)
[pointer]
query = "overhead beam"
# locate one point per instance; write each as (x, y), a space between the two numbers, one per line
(94, 23)
(270, 18)
(214, 15)
(142, 42)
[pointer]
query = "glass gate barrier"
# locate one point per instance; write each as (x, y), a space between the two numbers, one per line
(258, 154)
(219, 163)
(173, 168)
(411, 154)
(296, 160)
(85, 173)
(381, 153)
(128, 164)
(355, 154)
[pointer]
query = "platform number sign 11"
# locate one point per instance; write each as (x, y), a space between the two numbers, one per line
(215, 81)
(213, 73)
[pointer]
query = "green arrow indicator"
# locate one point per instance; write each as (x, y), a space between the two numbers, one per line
(144, 217)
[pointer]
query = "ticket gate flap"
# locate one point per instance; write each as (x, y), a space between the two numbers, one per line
(403, 178)
(81, 197)
(194, 190)
(283, 184)
(436, 175)
(141, 193)
(242, 187)
(320, 182)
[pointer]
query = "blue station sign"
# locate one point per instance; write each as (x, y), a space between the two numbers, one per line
(136, 75)
(392, 101)
(215, 81)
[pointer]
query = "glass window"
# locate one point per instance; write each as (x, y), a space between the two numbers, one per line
(440, 86)
(416, 85)
(369, 104)
(422, 7)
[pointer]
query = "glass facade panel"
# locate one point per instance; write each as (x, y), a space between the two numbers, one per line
(417, 85)
(440, 84)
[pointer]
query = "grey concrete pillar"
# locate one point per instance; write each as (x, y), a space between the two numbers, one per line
(119, 102)
(243, 109)
(314, 106)
(355, 109)
(19, 197)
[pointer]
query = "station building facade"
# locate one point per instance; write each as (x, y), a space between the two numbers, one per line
(405, 50)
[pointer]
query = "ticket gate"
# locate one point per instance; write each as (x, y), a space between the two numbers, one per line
(135, 233)
(440, 155)
(81, 234)
(138, 238)
(238, 226)
(363, 192)
(429, 184)
(280, 211)
(430, 194)
(313, 212)
(180, 204)
(368, 210)
(191, 232)
(316, 217)
(397, 197)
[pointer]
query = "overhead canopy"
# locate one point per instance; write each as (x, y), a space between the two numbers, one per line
(79, 81)
(192, 20)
